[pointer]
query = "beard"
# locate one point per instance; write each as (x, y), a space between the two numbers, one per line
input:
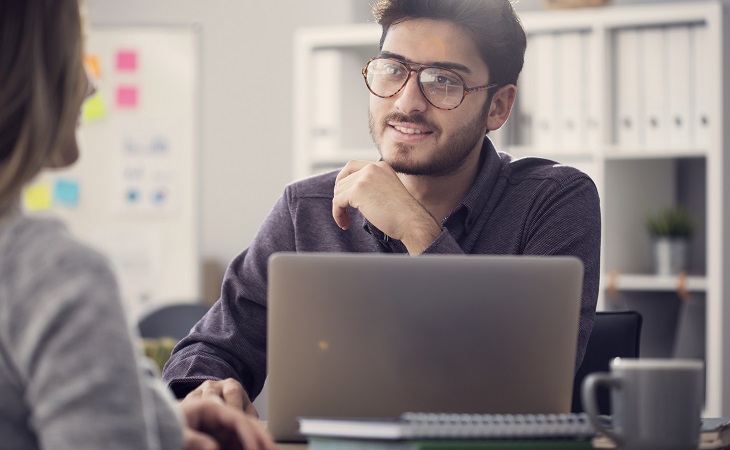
(445, 159)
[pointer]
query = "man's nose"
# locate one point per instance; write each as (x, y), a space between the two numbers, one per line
(410, 98)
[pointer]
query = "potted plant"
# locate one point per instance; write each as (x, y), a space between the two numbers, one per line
(670, 230)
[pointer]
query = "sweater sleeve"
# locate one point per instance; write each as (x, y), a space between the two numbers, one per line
(72, 347)
(567, 221)
(230, 340)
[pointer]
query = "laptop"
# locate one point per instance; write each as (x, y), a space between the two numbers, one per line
(376, 335)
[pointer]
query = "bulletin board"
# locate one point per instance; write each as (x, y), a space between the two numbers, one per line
(133, 194)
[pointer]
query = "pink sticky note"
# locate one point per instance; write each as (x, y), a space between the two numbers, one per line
(126, 60)
(127, 97)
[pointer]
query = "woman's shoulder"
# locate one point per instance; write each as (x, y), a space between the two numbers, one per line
(40, 249)
(41, 238)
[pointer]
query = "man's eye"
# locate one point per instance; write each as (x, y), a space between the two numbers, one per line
(391, 69)
(446, 80)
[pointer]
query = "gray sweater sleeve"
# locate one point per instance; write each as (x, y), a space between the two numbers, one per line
(68, 346)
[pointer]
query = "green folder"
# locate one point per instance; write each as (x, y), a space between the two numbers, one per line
(317, 443)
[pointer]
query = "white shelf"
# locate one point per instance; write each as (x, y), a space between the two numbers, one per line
(644, 282)
(549, 153)
(616, 153)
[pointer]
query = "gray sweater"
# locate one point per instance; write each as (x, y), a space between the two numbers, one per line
(529, 206)
(69, 371)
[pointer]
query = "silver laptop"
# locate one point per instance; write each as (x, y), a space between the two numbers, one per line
(376, 335)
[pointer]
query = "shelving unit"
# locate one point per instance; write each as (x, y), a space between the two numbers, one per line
(633, 95)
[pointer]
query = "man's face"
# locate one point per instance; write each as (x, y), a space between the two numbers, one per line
(413, 136)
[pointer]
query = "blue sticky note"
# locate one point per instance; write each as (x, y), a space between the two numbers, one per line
(66, 192)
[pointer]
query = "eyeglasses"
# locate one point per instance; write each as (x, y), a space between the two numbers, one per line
(443, 88)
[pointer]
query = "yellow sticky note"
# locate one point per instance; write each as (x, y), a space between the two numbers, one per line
(38, 197)
(93, 109)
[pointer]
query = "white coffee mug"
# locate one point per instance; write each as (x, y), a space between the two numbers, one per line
(656, 403)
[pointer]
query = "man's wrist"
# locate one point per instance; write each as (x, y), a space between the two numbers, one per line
(421, 235)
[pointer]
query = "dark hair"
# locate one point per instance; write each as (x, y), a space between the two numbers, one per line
(493, 25)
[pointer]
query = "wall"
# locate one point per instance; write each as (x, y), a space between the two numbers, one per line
(246, 117)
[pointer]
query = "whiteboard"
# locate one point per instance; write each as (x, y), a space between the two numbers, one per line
(133, 194)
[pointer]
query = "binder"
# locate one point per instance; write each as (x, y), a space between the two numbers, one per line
(701, 92)
(571, 59)
(545, 130)
(653, 101)
(527, 88)
(593, 64)
(326, 65)
(626, 118)
(679, 63)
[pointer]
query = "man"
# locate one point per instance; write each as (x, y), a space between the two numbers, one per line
(445, 76)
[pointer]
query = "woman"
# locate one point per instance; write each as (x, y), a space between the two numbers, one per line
(69, 375)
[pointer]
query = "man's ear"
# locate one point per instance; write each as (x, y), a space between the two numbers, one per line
(501, 106)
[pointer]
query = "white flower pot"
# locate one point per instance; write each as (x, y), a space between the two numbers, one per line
(670, 255)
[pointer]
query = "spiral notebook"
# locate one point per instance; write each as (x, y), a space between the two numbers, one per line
(453, 426)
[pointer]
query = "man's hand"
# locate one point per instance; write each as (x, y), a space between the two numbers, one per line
(375, 189)
(212, 425)
(228, 390)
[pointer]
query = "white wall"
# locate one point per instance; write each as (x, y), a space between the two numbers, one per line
(246, 118)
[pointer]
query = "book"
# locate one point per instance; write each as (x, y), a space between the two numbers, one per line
(320, 443)
(415, 426)
(714, 434)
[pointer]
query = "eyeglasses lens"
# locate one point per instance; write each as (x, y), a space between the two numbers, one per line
(443, 88)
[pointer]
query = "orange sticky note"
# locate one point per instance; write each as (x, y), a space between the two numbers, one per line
(38, 197)
(93, 65)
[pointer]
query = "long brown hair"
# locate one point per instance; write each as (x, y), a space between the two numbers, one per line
(40, 87)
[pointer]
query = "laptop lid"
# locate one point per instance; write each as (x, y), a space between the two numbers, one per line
(376, 335)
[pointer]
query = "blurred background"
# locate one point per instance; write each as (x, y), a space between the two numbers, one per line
(193, 136)
(244, 105)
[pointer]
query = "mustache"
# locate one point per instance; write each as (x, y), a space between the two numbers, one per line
(416, 119)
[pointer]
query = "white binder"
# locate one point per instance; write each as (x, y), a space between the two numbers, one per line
(700, 81)
(653, 101)
(626, 119)
(679, 88)
(545, 130)
(527, 91)
(325, 84)
(572, 90)
(594, 61)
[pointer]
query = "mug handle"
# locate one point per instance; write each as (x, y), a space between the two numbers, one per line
(590, 406)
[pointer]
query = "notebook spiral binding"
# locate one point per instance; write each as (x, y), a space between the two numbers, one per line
(430, 425)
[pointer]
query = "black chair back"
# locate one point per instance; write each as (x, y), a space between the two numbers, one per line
(172, 321)
(615, 334)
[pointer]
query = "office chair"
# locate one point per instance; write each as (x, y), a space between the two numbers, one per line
(615, 334)
(171, 321)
